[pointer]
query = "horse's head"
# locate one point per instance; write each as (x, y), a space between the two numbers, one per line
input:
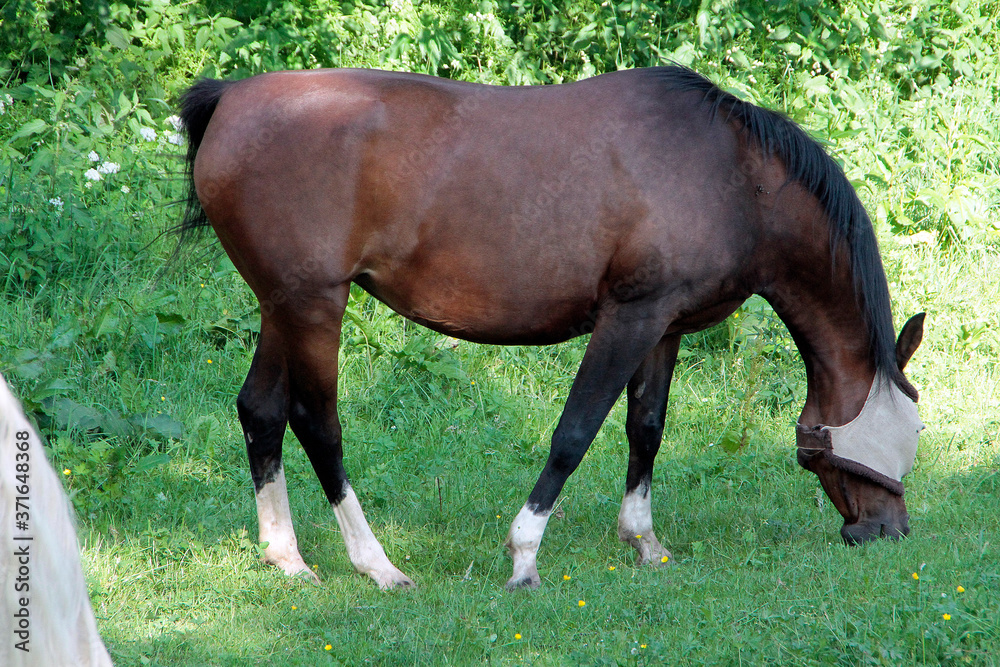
(870, 510)
(860, 464)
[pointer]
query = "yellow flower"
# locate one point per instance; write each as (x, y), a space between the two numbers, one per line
(638, 537)
(498, 516)
(960, 589)
(163, 398)
(946, 617)
(581, 603)
(611, 567)
(328, 647)
(203, 284)
(642, 646)
(294, 607)
(66, 471)
(517, 635)
(208, 361)
(566, 577)
(916, 576)
(665, 559)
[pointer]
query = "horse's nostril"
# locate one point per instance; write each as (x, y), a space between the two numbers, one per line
(895, 532)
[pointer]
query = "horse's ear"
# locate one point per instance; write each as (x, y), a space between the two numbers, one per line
(909, 339)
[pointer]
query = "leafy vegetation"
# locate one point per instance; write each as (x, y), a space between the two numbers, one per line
(130, 362)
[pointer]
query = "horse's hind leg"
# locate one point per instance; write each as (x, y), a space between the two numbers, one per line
(312, 368)
(263, 409)
(647, 406)
(625, 334)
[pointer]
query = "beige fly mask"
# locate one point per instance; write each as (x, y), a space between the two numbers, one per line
(879, 444)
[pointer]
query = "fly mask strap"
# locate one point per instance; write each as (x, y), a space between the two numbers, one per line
(880, 444)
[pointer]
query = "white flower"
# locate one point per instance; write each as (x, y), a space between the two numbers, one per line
(148, 133)
(57, 202)
(93, 156)
(109, 168)
(126, 189)
(176, 122)
(176, 139)
(92, 175)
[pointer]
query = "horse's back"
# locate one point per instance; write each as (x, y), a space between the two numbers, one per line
(496, 213)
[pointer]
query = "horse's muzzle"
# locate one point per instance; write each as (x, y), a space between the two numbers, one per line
(868, 531)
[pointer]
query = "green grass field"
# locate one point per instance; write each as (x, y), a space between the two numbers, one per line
(130, 358)
(442, 465)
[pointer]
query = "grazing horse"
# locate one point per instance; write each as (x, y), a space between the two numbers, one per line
(635, 206)
(46, 616)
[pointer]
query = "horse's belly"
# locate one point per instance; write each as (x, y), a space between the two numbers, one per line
(488, 313)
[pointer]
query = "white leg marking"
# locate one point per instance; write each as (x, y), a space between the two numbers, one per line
(274, 520)
(523, 541)
(635, 526)
(363, 549)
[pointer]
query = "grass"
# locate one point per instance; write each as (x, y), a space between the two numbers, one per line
(759, 564)
(760, 574)
(132, 370)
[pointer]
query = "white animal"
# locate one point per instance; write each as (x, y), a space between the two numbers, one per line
(45, 614)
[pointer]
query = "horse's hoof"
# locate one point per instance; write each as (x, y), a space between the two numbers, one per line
(661, 560)
(307, 575)
(530, 582)
(393, 580)
(648, 549)
(657, 559)
(295, 568)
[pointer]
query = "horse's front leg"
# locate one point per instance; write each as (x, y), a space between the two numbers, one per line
(647, 407)
(312, 348)
(625, 334)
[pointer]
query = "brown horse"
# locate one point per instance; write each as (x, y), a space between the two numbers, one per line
(635, 206)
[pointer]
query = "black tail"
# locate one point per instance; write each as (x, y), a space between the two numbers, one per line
(197, 106)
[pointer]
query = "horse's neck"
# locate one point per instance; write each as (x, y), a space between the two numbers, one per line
(829, 329)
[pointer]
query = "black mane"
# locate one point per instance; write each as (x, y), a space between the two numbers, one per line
(808, 164)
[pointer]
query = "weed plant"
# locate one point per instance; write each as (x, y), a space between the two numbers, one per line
(129, 357)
